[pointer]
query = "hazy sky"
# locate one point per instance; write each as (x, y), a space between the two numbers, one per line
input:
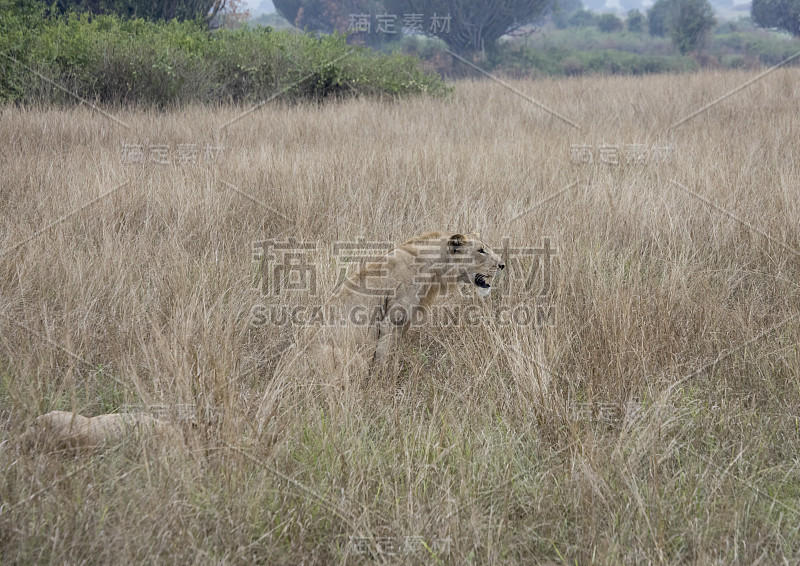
(259, 6)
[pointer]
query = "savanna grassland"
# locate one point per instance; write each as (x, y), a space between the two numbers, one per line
(650, 417)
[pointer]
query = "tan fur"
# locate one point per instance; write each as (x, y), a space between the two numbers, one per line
(63, 429)
(375, 306)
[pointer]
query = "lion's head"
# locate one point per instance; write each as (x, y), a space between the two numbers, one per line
(475, 263)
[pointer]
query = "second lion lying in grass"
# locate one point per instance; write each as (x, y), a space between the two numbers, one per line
(373, 308)
(72, 431)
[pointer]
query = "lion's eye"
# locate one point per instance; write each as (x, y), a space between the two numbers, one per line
(482, 251)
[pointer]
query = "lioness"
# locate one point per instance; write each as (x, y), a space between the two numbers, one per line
(375, 306)
(66, 430)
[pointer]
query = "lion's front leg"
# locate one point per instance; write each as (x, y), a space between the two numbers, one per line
(389, 334)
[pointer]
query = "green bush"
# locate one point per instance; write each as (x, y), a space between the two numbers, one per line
(609, 23)
(591, 38)
(635, 22)
(118, 61)
(743, 24)
(147, 9)
(584, 51)
(582, 18)
(762, 47)
(563, 9)
(521, 60)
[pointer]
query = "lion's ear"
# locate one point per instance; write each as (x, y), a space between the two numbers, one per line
(455, 243)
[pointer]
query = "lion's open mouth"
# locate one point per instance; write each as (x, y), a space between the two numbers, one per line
(480, 281)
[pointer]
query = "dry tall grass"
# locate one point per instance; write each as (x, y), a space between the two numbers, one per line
(654, 419)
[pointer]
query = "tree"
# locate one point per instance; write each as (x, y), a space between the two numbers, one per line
(563, 9)
(635, 21)
(690, 23)
(657, 17)
(582, 18)
(469, 27)
(567, 6)
(687, 22)
(609, 23)
(780, 14)
(316, 15)
(357, 17)
(205, 10)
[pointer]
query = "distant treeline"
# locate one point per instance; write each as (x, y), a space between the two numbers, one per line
(51, 57)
